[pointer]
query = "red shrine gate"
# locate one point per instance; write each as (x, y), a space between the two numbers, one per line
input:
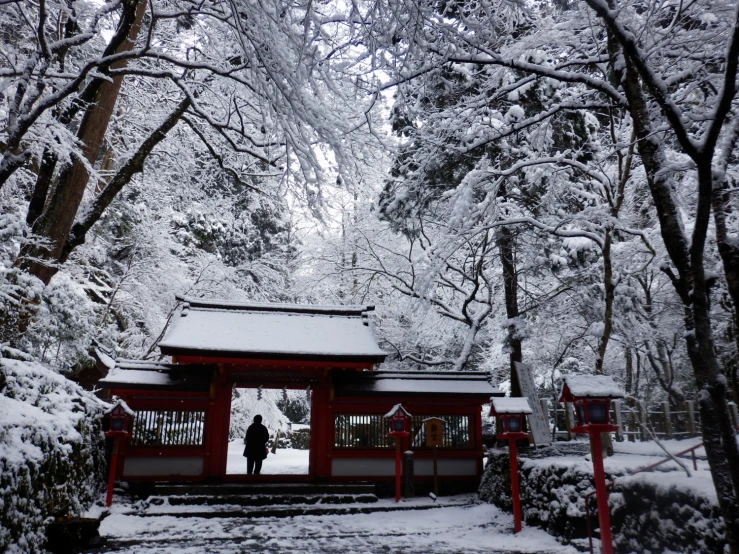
(183, 409)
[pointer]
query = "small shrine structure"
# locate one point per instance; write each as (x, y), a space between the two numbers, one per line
(180, 430)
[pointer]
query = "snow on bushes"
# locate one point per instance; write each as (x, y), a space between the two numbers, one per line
(52, 452)
(650, 512)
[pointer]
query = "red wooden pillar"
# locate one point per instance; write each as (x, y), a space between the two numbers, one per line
(216, 427)
(112, 474)
(515, 492)
(321, 437)
(476, 436)
(601, 494)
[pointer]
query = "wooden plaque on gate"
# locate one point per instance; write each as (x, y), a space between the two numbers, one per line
(538, 424)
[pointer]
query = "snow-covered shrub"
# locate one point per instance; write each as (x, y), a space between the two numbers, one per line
(64, 324)
(650, 512)
(300, 439)
(52, 452)
(551, 493)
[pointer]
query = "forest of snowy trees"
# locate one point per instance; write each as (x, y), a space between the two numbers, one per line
(553, 182)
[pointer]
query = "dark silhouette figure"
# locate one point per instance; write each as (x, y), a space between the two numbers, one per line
(256, 446)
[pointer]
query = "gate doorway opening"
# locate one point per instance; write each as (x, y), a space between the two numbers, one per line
(286, 414)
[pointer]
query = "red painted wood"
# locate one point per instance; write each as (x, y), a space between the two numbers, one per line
(111, 475)
(601, 494)
(515, 493)
(261, 363)
(398, 440)
(324, 429)
(167, 396)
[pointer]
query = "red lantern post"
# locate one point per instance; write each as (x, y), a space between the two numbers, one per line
(591, 395)
(510, 413)
(400, 428)
(120, 421)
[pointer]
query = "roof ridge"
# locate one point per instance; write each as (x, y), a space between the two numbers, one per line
(275, 306)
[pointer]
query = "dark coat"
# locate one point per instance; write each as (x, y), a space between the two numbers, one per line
(256, 441)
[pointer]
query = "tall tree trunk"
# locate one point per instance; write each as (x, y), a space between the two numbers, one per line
(134, 165)
(728, 249)
(56, 221)
(610, 294)
(690, 285)
(510, 288)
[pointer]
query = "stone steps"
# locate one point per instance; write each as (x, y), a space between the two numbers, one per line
(272, 489)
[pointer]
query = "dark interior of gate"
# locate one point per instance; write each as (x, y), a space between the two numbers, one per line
(183, 408)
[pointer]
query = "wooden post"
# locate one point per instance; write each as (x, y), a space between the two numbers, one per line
(569, 419)
(111, 475)
(436, 472)
(544, 402)
(667, 419)
(397, 469)
(409, 490)
(690, 410)
(619, 420)
(642, 423)
(601, 494)
(515, 492)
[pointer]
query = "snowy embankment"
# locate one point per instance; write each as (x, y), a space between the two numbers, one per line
(659, 511)
(52, 452)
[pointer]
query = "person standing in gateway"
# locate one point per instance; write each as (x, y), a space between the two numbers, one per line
(256, 446)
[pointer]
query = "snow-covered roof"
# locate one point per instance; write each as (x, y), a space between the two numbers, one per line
(282, 331)
(134, 374)
(592, 386)
(511, 405)
(395, 409)
(416, 383)
(120, 402)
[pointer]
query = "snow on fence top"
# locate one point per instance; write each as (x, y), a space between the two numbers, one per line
(592, 386)
(284, 331)
(511, 405)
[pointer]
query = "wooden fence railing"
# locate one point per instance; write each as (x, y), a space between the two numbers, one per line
(636, 422)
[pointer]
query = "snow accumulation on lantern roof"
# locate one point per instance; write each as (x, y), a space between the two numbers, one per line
(397, 408)
(511, 405)
(133, 374)
(416, 383)
(591, 386)
(271, 331)
(120, 402)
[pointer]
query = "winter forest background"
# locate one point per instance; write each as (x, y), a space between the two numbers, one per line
(553, 182)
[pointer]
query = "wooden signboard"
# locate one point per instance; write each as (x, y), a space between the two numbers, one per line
(538, 424)
(434, 431)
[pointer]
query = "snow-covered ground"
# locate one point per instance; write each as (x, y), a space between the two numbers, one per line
(469, 528)
(286, 461)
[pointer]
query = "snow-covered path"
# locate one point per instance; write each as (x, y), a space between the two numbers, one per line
(454, 529)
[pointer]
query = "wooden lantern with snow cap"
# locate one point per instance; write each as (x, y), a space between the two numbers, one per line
(399, 420)
(510, 412)
(591, 396)
(120, 420)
